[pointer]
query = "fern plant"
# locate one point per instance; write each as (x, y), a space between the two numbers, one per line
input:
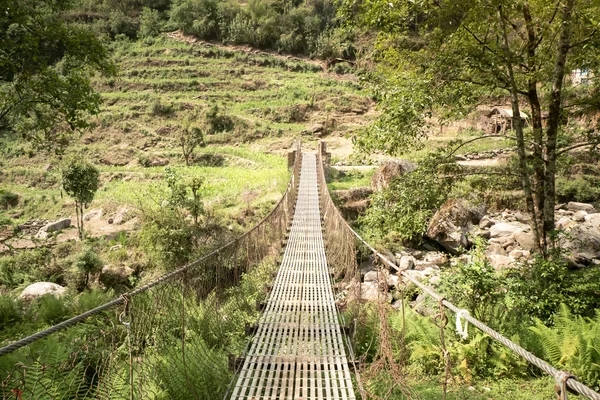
(573, 344)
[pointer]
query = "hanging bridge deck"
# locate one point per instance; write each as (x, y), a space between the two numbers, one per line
(298, 350)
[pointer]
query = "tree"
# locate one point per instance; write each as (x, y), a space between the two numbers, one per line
(451, 54)
(45, 68)
(80, 181)
(88, 263)
(150, 23)
(190, 137)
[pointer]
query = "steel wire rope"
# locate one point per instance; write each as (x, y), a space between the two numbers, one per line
(558, 375)
(290, 191)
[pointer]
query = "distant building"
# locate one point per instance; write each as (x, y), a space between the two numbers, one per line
(580, 76)
(501, 119)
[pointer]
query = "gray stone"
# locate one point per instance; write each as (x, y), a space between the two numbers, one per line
(525, 240)
(388, 171)
(523, 218)
(436, 258)
(407, 262)
(392, 280)
(94, 214)
(486, 222)
(122, 216)
(579, 216)
(451, 223)
(53, 227)
(40, 289)
(565, 223)
(371, 276)
(574, 206)
(369, 291)
(423, 265)
(498, 261)
(516, 254)
(504, 229)
(495, 248)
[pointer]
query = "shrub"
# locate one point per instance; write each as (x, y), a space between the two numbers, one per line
(9, 311)
(52, 310)
(122, 26)
(582, 189)
(150, 23)
(88, 263)
(8, 199)
(219, 121)
(80, 180)
(159, 109)
(403, 210)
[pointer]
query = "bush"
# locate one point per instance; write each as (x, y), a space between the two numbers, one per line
(9, 311)
(582, 189)
(8, 199)
(27, 267)
(89, 264)
(219, 121)
(52, 310)
(122, 25)
(159, 109)
(403, 210)
(150, 23)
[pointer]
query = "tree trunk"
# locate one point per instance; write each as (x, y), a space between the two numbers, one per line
(536, 120)
(518, 126)
(554, 110)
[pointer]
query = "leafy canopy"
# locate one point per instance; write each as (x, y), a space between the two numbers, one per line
(45, 68)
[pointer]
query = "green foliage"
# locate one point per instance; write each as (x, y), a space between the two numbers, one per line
(219, 121)
(537, 289)
(80, 180)
(52, 310)
(10, 312)
(46, 67)
(572, 344)
(582, 189)
(88, 263)
(159, 109)
(151, 23)
(27, 267)
(477, 286)
(291, 28)
(403, 210)
(8, 199)
(122, 25)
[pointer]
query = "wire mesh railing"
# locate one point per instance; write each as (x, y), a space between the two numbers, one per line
(340, 253)
(169, 339)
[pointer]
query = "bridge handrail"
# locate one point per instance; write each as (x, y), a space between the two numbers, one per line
(291, 188)
(559, 376)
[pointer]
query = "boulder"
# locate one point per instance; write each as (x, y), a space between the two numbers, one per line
(113, 275)
(94, 214)
(406, 263)
(437, 258)
(498, 261)
(317, 128)
(495, 248)
(585, 236)
(53, 227)
(452, 221)
(40, 289)
(369, 291)
(574, 206)
(123, 215)
(388, 171)
(392, 280)
(565, 223)
(579, 216)
(503, 229)
(486, 222)
(525, 240)
(372, 276)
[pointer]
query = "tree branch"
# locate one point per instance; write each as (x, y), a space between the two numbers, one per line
(576, 146)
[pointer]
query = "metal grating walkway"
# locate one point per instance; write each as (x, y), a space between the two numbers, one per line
(298, 351)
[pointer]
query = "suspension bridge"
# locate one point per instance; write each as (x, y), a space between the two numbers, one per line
(187, 334)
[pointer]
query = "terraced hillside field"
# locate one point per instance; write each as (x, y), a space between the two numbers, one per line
(249, 105)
